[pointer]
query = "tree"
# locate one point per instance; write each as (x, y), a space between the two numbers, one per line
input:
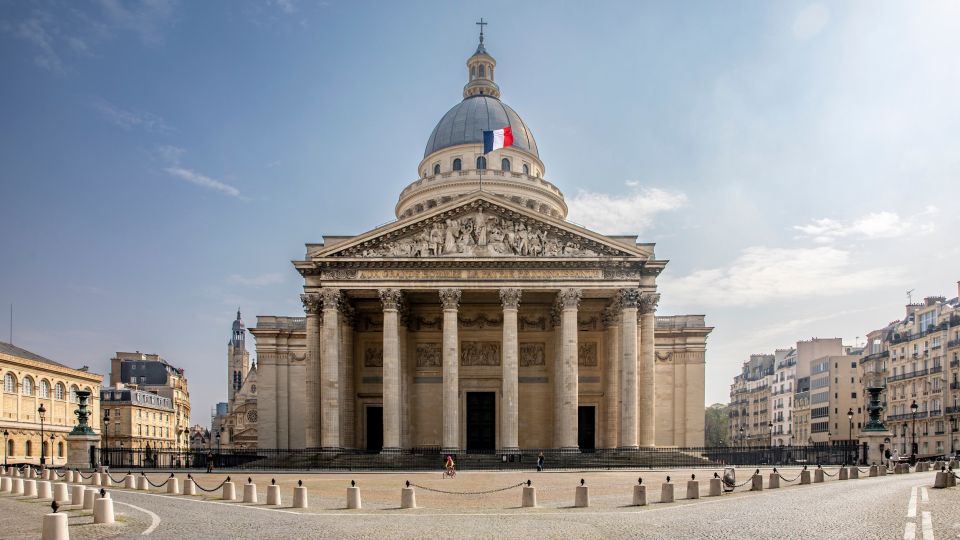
(716, 425)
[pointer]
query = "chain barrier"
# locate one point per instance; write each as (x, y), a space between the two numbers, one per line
(87, 477)
(110, 476)
(749, 479)
(201, 488)
(828, 474)
(863, 471)
(425, 488)
(59, 474)
(160, 485)
(788, 481)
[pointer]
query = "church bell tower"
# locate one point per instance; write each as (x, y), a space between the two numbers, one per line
(238, 359)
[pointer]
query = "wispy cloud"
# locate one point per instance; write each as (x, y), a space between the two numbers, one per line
(628, 214)
(172, 154)
(884, 224)
(763, 275)
(287, 6)
(145, 18)
(130, 119)
(262, 280)
(40, 30)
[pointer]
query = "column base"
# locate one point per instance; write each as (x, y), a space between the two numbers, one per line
(449, 450)
(330, 450)
(511, 450)
(569, 450)
(630, 448)
(391, 450)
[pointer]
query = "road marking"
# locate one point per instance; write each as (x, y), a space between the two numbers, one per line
(154, 519)
(924, 496)
(910, 532)
(912, 504)
(927, 526)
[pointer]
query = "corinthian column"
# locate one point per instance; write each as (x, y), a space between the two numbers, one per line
(450, 299)
(311, 413)
(330, 370)
(509, 424)
(569, 304)
(647, 378)
(629, 299)
(391, 370)
(611, 375)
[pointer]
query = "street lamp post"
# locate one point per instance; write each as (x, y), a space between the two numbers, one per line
(43, 460)
(121, 454)
(742, 442)
(106, 437)
(5, 435)
(913, 432)
(53, 461)
(850, 429)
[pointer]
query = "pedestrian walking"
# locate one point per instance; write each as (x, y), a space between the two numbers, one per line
(540, 461)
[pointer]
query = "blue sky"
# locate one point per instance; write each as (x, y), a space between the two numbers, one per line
(161, 162)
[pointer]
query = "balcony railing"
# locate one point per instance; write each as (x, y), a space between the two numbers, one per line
(936, 369)
(953, 343)
(903, 376)
(953, 410)
(906, 416)
(955, 386)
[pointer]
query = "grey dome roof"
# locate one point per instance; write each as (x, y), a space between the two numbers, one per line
(467, 120)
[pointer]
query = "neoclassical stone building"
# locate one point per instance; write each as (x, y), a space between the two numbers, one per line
(480, 319)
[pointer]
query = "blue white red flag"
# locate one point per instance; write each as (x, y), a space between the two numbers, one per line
(497, 139)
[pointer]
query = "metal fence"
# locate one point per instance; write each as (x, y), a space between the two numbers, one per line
(432, 459)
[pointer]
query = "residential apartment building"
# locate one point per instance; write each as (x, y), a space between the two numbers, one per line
(750, 415)
(137, 419)
(782, 392)
(151, 373)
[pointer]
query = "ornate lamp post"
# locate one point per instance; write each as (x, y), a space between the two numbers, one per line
(7, 434)
(742, 441)
(913, 434)
(106, 437)
(53, 462)
(953, 436)
(43, 460)
(770, 425)
(850, 428)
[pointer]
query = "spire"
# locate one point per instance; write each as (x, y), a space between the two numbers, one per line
(238, 313)
(480, 68)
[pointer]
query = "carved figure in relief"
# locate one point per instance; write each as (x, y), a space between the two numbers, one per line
(429, 355)
(479, 353)
(532, 354)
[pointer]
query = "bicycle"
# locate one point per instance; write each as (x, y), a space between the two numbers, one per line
(449, 472)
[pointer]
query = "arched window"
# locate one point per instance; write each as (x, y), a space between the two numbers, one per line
(436, 169)
(526, 169)
(44, 389)
(73, 393)
(60, 449)
(27, 387)
(457, 165)
(482, 71)
(28, 449)
(473, 72)
(505, 165)
(481, 163)
(59, 391)
(9, 447)
(9, 383)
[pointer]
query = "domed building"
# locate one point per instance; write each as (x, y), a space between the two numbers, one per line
(480, 320)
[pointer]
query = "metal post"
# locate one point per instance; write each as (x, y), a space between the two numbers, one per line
(43, 459)
(106, 438)
(5, 435)
(913, 434)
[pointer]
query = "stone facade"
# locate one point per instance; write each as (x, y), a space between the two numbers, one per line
(237, 424)
(480, 320)
(138, 419)
(151, 373)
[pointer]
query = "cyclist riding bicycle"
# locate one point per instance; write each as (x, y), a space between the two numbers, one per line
(449, 465)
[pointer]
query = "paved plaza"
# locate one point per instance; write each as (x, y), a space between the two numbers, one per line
(895, 506)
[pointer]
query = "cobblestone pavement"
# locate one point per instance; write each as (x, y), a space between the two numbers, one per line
(900, 506)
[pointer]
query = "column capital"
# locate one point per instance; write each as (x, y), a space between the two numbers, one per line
(390, 298)
(648, 303)
(331, 297)
(628, 298)
(450, 298)
(510, 297)
(312, 303)
(569, 298)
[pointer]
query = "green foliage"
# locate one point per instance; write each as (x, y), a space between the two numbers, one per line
(716, 425)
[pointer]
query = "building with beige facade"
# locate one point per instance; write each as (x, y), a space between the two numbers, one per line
(153, 374)
(136, 420)
(236, 425)
(750, 418)
(480, 319)
(30, 382)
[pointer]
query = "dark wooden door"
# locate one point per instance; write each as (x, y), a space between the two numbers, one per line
(481, 421)
(374, 429)
(586, 428)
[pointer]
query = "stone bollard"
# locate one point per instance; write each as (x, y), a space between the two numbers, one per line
(95, 479)
(273, 495)
(103, 510)
(773, 481)
(528, 498)
(874, 471)
(29, 488)
(951, 479)
(640, 494)
(142, 483)
(105, 479)
(954, 464)
(129, 481)
(173, 485)
(29, 474)
(17, 486)
(844, 473)
(693, 489)
(940, 481)
(756, 483)
(54, 527)
(408, 498)
(249, 492)
(882, 469)
(189, 487)
(716, 487)
(353, 497)
(854, 472)
(76, 495)
(67, 476)
(89, 496)
(46, 474)
(804, 477)
(666, 491)
(300, 499)
(16, 473)
(818, 476)
(581, 498)
(61, 493)
(938, 465)
(44, 491)
(229, 491)
(5, 484)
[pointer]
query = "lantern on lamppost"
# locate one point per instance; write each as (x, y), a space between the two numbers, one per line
(43, 460)
(913, 432)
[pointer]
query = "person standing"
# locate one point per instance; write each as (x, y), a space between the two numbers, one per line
(540, 461)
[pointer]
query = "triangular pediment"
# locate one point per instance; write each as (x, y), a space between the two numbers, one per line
(479, 226)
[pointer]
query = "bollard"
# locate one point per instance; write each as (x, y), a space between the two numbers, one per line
(189, 487)
(640, 495)
(6, 484)
(940, 481)
(882, 469)
(229, 492)
(44, 491)
(76, 495)
(61, 493)
(666, 492)
(693, 489)
(103, 510)
(143, 484)
(29, 488)
(300, 496)
(818, 476)
(95, 479)
(951, 479)
(408, 498)
(756, 482)
(716, 487)
(89, 496)
(67, 476)
(46, 474)
(17, 486)
(938, 465)
(353, 497)
(528, 498)
(273, 495)
(105, 479)
(954, 464)
(854, 472)
(249, 492)
(29, 474)
(773, 481)
(581, 498)
(874, 471)
(54, 527)
(804, 477)
(844, 473)
(173, 485)
(129, 481)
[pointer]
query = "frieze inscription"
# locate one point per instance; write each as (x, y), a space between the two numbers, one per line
(469, 273)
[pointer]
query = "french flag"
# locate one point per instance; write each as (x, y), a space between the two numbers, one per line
(497, 139)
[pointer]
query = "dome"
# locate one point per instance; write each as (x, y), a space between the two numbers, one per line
(466, 122)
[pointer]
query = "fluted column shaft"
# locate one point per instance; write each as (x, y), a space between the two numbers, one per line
(647, 375)
(330, 370)
(629, 404)
(450, 299)
(611, 377)
(391, 369)
(509, 409)
(569, 398)
(311, 413)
